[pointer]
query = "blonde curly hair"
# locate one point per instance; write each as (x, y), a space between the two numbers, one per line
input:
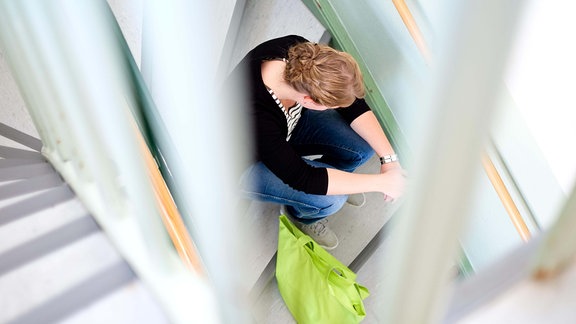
(330, 77)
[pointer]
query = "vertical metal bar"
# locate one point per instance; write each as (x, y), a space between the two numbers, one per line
(91, 93)
(489, 168)
(203, 142)
(146, 126)
(18, 42)
(469, 63)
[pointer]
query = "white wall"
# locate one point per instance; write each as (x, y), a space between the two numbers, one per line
(129, 14)
(542, 81)
(12, 107)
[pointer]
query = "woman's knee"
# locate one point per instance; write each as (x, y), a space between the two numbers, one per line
(335, 204)
(323, 207)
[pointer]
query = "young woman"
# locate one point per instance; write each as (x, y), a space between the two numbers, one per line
(305, 99)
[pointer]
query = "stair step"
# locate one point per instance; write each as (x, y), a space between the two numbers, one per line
(22, 206)
(25, 171)
(45, 278)
(56, 265)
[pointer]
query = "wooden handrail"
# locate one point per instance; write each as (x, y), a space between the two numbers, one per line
(505, 197)
(489, 167)
(169, 212)
(412, 27)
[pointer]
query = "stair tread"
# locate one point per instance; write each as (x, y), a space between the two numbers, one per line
(44, 278)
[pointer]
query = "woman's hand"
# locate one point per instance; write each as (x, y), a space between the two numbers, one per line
(393, 182)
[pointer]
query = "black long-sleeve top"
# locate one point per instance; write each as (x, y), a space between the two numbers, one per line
(270, 126)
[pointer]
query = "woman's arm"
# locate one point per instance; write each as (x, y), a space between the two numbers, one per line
(343, 183)
(390, 181)
(368, 127)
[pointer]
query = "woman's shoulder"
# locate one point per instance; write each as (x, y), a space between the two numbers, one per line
(277, 47)
(288, 40)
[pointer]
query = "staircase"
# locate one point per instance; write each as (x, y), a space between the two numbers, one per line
(56, 264)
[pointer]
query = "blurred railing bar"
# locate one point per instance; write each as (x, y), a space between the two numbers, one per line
(491, 171)
(69, 69)
(147, 123)
(471, 57)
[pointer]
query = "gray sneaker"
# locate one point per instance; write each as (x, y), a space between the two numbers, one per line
(356, 200)
(318, 231)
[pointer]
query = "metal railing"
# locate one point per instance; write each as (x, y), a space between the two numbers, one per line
(489, 168)
(69, 66)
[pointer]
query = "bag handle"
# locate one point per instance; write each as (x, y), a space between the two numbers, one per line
(338, 277)
(306, 240)
(351, 299)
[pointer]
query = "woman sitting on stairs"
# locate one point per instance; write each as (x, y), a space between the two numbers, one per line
(305, 99)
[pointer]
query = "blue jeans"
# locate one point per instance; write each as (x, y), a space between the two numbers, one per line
(317, 133)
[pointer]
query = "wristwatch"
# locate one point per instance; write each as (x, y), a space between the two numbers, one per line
(388, 158)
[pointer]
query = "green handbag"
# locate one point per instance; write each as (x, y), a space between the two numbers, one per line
(316, 287)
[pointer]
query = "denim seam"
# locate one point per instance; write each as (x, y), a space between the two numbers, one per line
(316, 209)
